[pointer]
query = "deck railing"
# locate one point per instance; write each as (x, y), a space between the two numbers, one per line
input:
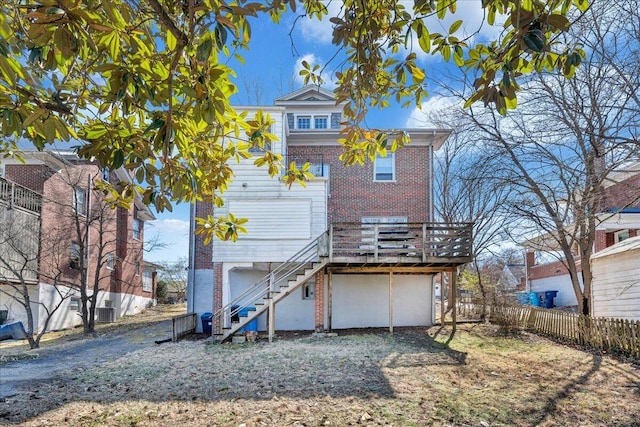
(400, 242)
(17, 195)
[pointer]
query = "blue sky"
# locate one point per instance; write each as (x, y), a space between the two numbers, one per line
(272, 66)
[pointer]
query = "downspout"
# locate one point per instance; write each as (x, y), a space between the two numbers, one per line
(192, 258)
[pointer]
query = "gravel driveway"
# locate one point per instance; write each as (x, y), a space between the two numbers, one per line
(79, 354)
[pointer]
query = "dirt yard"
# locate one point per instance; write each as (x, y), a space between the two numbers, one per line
(369, 378)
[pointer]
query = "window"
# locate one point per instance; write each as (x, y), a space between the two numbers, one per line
(621, 235)
(309, 290)
(111, 261)
(136, 266)
(137, 228)
(74, 256)
(320, 122)
(309, 121)
(74, 304)
(80, 200)
(385, 168)
(147, 280)
(106, 175)
(304, 122)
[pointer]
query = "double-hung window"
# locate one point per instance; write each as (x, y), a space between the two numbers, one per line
(309, 121)
(80, 200)
(385, 167)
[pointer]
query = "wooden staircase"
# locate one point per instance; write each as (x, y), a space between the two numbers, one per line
(270, 290)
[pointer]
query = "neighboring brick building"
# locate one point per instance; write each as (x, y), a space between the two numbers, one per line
(618, 220)
(68, 207)
(377, 250)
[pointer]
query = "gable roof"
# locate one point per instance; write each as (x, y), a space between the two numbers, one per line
(307, 93)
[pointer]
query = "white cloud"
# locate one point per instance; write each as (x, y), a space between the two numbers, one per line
(174, 233)
(320, 31)
(474, 27)
(420, 117)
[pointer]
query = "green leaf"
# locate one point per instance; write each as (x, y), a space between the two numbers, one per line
(118, 159)
(455, 26)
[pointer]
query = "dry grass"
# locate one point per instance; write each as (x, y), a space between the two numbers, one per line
(371, 379)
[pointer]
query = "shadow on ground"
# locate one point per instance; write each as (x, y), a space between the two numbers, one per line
(353, 364)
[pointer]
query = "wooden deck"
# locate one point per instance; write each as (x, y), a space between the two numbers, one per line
(405, 247)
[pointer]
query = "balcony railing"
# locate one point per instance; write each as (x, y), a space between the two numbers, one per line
(423, 243)
(19, 196)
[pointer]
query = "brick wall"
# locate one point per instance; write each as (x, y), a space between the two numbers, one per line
(217, 295)
(623, 194)
(31, 176)
(354, 194)
(203, 253)
(319, 301)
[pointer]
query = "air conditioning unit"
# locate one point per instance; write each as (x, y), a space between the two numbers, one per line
(105, 315)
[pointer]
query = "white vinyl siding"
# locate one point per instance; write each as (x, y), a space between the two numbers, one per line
(274, 219)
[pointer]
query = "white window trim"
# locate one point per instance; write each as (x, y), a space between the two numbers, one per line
(138, 231)
(77, 190)
(391, 156)
(111, 262)
(312, 121)
(619, 233)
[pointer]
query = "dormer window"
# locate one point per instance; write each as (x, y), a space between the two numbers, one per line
(304, 122)
(309, 121)
(320, 122)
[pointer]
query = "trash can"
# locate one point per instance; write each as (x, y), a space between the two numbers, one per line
(251, 326)
(206, 322)
(523, 298)
(235, 315)
(534, 299)
(548, 300)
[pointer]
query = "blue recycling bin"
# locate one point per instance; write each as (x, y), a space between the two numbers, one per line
(252, 326)
(206, 322)
(523, 298)
(548, 298)
(534, 299)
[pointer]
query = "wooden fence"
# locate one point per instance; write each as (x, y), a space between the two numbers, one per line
(183, 325)
(613, 335)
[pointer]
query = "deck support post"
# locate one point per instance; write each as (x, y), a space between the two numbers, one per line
(329, 299)
(272, 307)
(391, 302)
(454, 293)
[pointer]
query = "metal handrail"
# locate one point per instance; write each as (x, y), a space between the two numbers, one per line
(269, 283)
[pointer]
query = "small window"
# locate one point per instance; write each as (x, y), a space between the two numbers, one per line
(74, 305)
(304, 122)
(320, 122)
(111, 261)
(621, 235)
(137, 228)
(106, 175)
(309, 290)
(80, 200)
(385, 168)
(136, 266)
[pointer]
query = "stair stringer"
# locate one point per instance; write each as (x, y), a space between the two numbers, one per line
(277, 295)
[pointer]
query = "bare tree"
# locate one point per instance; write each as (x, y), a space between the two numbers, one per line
(175, 274)
(469, 188)
(566, 138)
(20, 246)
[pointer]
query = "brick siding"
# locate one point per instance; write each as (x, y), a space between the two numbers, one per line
(319, 301)
(354, 194)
